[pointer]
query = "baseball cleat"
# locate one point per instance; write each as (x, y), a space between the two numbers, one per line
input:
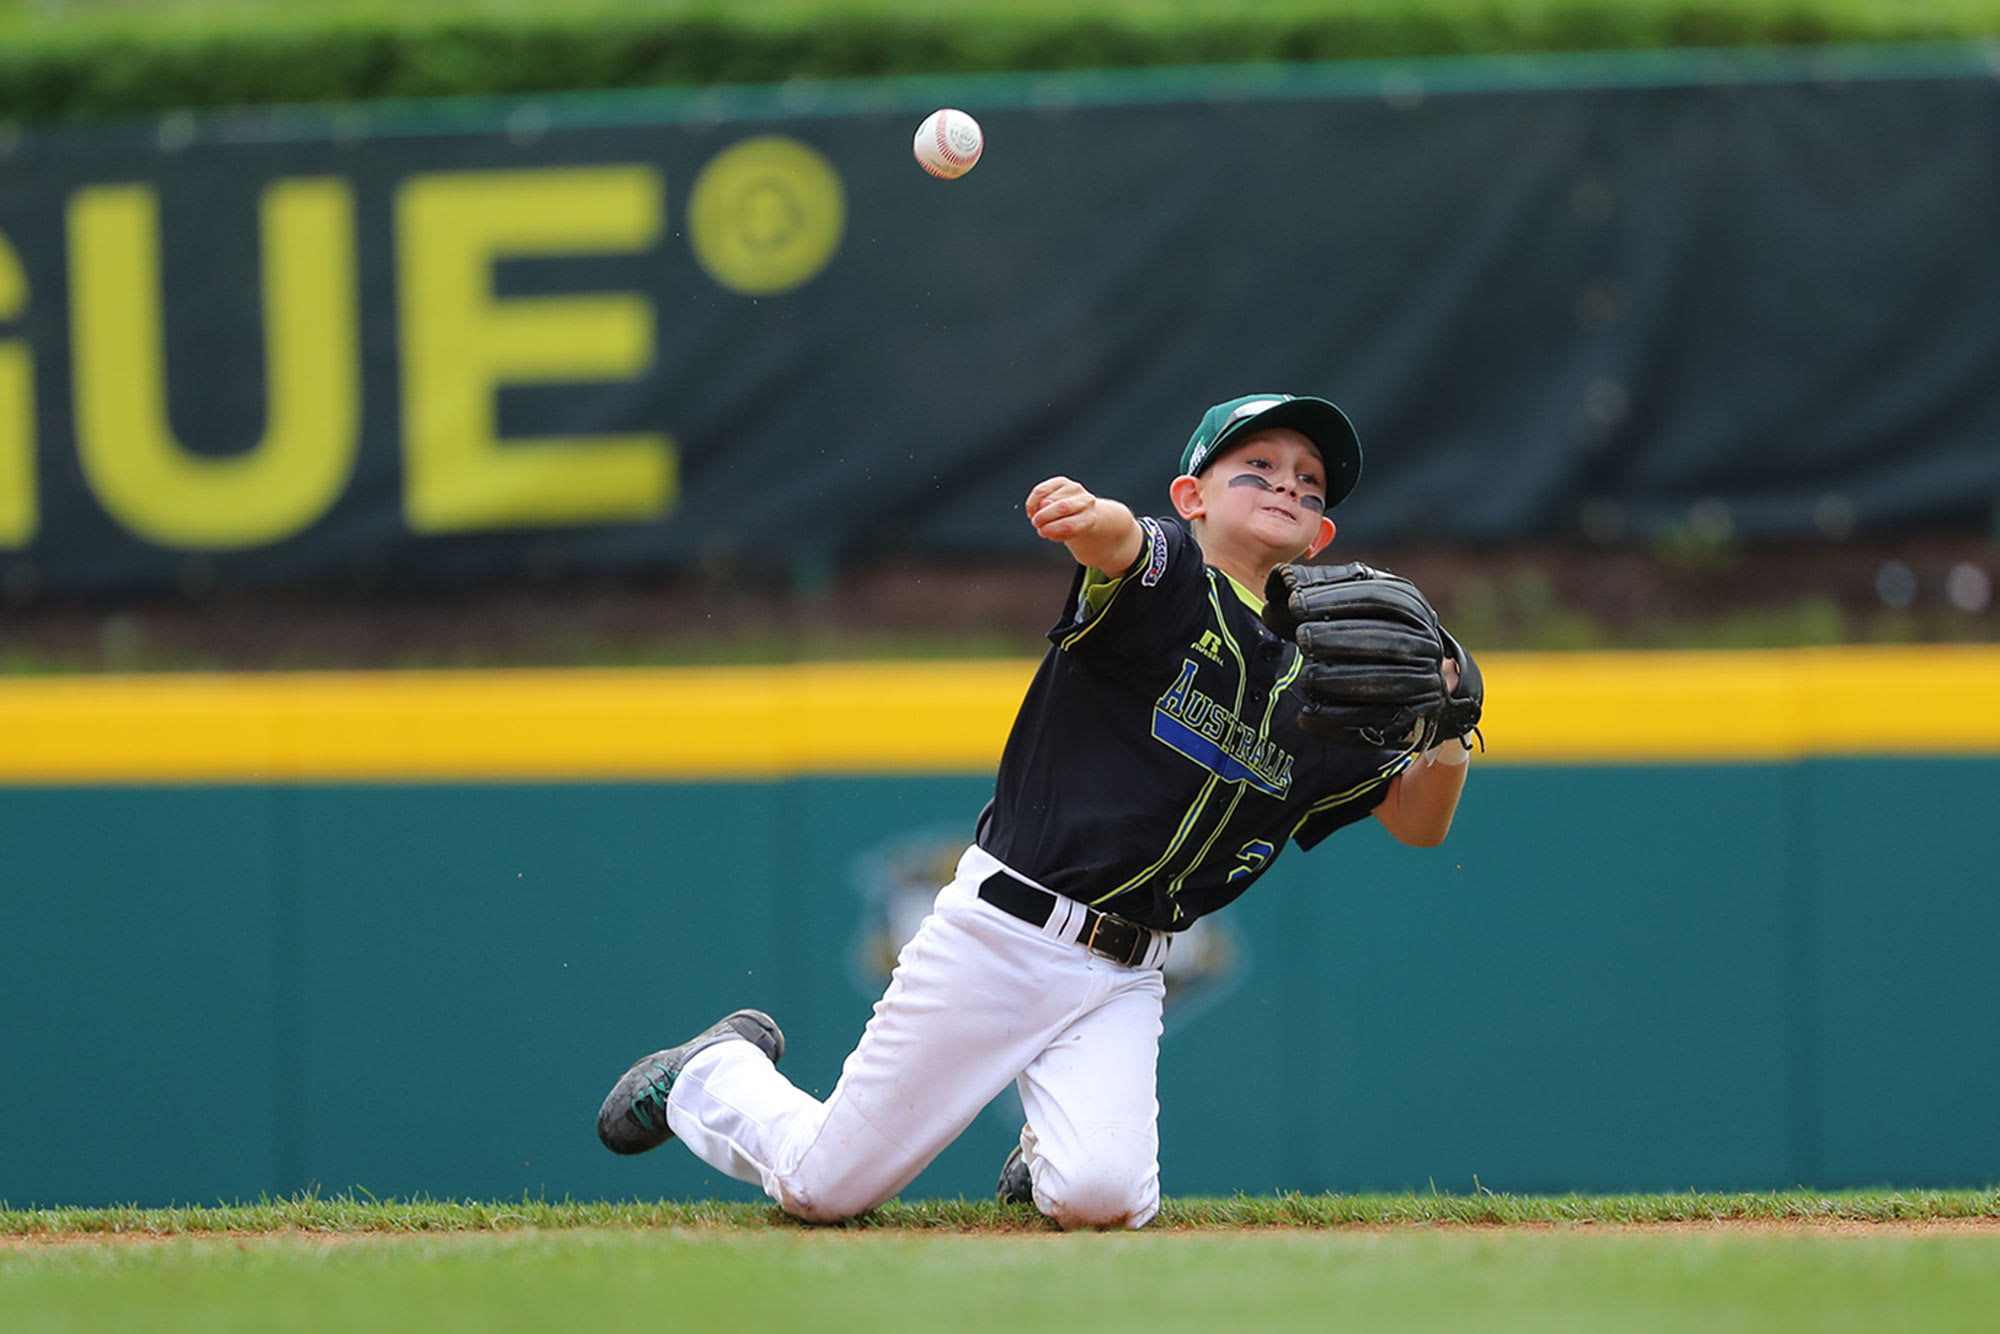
(633, 1118)
(1015, 1186)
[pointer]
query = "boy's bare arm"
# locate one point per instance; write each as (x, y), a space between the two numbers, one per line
(1099, 532)
(1421, 800)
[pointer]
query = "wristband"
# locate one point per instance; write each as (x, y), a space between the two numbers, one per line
(1452, 751)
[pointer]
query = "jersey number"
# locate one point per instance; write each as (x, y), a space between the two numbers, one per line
(1255, 853)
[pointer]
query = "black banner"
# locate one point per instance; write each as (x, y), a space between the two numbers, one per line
(1582, 299)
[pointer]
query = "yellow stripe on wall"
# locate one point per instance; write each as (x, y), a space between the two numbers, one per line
(760, 722)
(931, 717)
(1767, 705)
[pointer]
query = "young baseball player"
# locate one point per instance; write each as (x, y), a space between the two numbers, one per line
(1156, 769)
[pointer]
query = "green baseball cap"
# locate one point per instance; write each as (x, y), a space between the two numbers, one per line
(1316, 419)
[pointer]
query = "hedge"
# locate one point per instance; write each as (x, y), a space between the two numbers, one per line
(125, 61)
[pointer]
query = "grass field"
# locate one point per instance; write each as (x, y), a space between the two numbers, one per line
(1822, 1262)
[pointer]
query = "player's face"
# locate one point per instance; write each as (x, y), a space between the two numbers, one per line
(1271, 486)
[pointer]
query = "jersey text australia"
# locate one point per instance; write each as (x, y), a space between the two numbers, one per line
(1157, 768)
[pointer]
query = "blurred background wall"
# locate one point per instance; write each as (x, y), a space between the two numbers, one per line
(512, 338)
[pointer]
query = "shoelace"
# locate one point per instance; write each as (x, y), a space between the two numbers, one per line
(654, 1099)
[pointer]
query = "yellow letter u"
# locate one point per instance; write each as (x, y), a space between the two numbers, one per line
(144, 476)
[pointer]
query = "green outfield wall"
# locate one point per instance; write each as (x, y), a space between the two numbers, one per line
(1628, 968)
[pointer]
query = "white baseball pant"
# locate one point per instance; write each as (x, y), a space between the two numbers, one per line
(978, 998)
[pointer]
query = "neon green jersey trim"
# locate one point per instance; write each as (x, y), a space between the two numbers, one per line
(1250, 599)
(1097, 590)
(1190, 819)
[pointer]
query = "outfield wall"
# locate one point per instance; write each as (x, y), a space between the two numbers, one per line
(400, 932)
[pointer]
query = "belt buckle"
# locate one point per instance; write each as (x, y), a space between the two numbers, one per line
(1140, 939)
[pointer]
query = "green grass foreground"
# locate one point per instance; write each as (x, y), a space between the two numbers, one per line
(1283, 1263)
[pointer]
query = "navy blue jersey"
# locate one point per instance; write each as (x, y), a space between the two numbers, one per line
(1157, 767)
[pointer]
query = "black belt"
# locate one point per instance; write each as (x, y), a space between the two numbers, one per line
(1112, 937)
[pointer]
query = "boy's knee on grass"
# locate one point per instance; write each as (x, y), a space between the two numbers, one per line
(1096, 1197)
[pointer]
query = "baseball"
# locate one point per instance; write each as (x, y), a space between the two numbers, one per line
(948, 143)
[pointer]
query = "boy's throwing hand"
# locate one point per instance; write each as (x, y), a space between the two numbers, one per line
(1099, 532)
(1061, 509)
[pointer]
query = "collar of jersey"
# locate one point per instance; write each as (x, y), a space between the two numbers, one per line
(1250, 600)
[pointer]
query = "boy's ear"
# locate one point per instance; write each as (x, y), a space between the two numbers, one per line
(1321, 538)
(1186, 494)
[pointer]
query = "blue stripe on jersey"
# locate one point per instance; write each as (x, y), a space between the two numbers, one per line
(1209, 754)
(1216, 739)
